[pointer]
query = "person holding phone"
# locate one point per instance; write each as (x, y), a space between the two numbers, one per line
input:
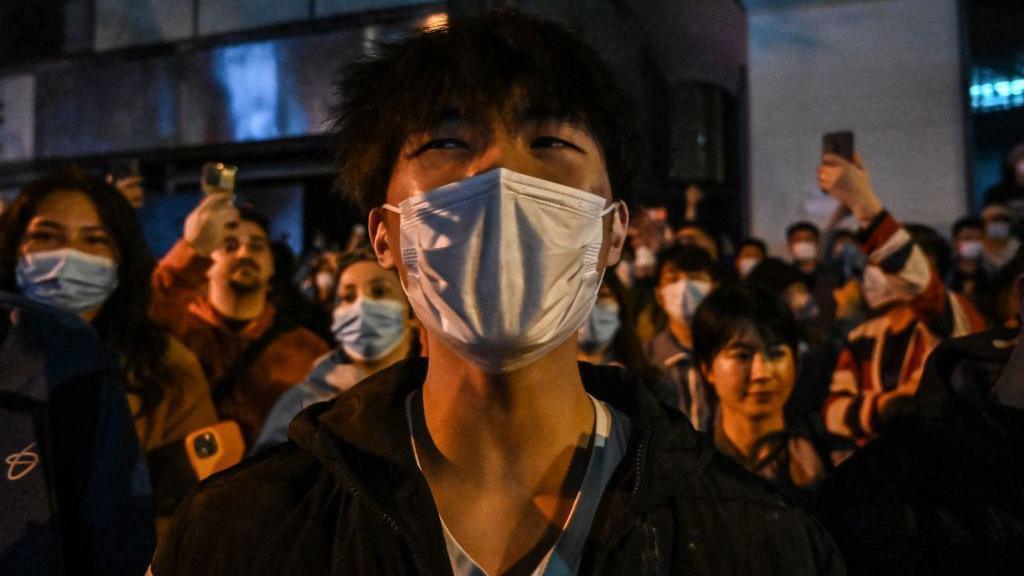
(879, 370)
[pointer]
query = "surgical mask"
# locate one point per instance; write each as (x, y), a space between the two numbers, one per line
(970, 249)
(369, 329)
(645, 257)
(600, 328)
(67, 279)
(682, 298)
(804, 251)
(746, 265)
(997, 230)
(324, 281)
(876, 288)
(502, 267)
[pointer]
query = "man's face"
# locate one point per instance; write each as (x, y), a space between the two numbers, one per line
(244, 262)
(555, 150)
(801, 243)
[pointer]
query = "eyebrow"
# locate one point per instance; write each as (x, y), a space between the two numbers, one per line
(53, 224)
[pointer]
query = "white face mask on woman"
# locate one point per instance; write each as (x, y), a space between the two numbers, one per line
(502, 267)
(600, 328)
(369, 329)
(682, 298)
(67, 279)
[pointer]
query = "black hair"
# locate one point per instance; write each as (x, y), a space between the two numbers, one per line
(123, 322)
(755, 242)
(503, 64)
(249, 213)
(843, 233)
(934, 246)
(729, 310)
(687, 258)
(802, 226)
(626, 345)
(775, 276)
(968, 222)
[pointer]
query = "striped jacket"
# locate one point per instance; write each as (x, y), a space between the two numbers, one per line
(858, 387)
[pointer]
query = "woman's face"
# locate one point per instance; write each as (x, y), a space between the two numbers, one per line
(68, 219)
(369, 280)
(752, 379)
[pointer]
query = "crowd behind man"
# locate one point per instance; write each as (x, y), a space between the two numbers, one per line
(810, 369)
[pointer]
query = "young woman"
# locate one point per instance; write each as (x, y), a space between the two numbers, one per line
(374, 327)
(73, 242)
(745, 343)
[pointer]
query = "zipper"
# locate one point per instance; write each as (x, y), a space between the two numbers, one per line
(626, 526)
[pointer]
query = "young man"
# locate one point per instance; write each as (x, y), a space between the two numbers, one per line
(686, 275)
(500, 142)
(231, 326)
(749, 254)
(804, 241)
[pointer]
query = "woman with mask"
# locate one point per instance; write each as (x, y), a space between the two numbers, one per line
(73, 242)
(608, 337)
(374, 327)
(686, 275)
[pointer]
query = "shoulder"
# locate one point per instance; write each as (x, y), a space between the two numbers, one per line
(304, 339)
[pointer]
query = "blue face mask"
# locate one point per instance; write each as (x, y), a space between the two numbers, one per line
(67, 279)
(600, 328)
(369, 329)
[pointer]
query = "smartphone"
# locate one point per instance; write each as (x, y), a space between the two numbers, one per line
(214, 448)
(839, 143)
(219, 178)
(125, 169)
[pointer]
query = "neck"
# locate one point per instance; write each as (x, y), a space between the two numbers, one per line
(682, 332)
(494, 429)
(967, 266)
(601, 356)
(900, 316)
(807, 266)
(399, 353)
(746, 433)
(236, 305)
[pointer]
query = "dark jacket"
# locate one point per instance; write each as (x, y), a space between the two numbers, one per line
(76, 497)
(943, 491)
(345, 497)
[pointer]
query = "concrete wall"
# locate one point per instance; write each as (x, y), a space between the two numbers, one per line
(887, 69)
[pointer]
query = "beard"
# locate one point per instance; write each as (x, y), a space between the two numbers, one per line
(245, 279)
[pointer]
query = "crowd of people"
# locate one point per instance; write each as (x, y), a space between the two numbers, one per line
(532, 374)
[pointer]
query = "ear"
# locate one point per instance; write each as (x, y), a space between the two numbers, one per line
(620, 227)
(706, 373)
(378, 232)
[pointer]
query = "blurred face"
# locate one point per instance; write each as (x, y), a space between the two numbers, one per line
(803, 245)
(800, 302)
(699, 238)
(369, 280)
(752, 379)
(244, 262)
(670, 274)
(750, 251)
(1019, 172)
(68, 219)
(556, 150)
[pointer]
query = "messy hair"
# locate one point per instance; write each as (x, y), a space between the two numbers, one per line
(503, 65)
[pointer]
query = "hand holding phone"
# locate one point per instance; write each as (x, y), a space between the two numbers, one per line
(839, 143)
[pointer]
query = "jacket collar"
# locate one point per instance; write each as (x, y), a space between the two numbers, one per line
(201, 308)
(363, 438)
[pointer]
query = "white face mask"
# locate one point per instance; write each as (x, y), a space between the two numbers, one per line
(970, 249)
(682, 298)
(502, 267)
(369, 329)
(876, 288)
(645, 257)
(600, 328)
(746, 265)
(324, 281)
(804, 251)
(68, 279)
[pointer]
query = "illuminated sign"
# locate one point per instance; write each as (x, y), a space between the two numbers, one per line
(991, 92)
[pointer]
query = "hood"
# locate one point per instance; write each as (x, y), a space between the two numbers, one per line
(42, 340)
(363, 438)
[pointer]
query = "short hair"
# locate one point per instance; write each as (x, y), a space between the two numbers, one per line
(775, 276)
(843, 233)
(729, 310)
(756, 243)
(249, 213)
(694, 225)
(687, 258)
(802, 225)
(503, 64)
(934, 246)
(968, 222)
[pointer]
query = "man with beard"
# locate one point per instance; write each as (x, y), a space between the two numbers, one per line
(250, 355)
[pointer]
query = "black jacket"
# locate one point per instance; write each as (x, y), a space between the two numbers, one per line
(942, 492)
(345, 497)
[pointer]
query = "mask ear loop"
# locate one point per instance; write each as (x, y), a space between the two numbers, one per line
(391, 208)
